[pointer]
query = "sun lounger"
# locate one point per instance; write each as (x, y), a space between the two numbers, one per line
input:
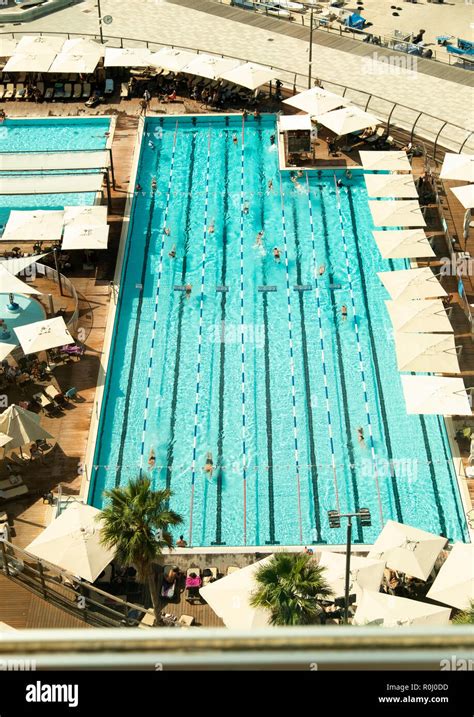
(48, 95)
(192, 591)
(67, 91)
(58, 91)
(124, 91)
(148, 619)
(232, 569)
(9, 92)
(86, 90)
(11, 482)
(186, 620)
(42, 400)
(3, 89)
(109, 87)
(77, 93)
(209, 575)
(13, 492)
(20, 91)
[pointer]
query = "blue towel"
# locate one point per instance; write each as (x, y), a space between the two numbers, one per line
(355, 21)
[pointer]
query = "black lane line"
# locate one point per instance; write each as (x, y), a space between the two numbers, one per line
(453, 483)
(375, 360)
(182, 299)
(220, 430)
(342, 376)
(307, 384)
(136, 331)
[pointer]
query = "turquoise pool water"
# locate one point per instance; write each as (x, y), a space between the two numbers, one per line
(270, 382)
(29, 311)
(44, 135)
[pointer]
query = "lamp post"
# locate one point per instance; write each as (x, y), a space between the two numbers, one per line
(334, 516)
(99, 12)
(310, 47)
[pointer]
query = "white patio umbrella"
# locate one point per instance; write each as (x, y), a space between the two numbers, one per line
(347, 120)
(7, 46)
(316, 101)
(418, 317)
(365, 574)
(72, 542)
(23, 426)
(435, 395)
(82, 46)
(229, 598)
(385, 160)
(390, 611)
(43, 335)
(390, 185)
(426, 352)
(4, 439)
(5, 349)
(15, 265)
(209, 66)
(172, 60)
(68, 62)
(25, 61)
(89, 236)
(396, 213)
(127, 57)
(458, 166)
(465, 195)
(454, 584)
(411, 283)
(10, 284)
(84, 215)
(249, 75)
(403, 243)
(409, 550)
(34, 225)
(4, 627)
(41, 43)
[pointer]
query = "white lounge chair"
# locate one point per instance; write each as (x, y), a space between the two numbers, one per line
(77, 93)
(67, 91)
(20, 91)
(13, 492)
(9, 92)
(86, 90)
(124, 91)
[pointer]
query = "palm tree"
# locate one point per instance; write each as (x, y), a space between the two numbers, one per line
(290, 585)
(466, 617)
(135, 524)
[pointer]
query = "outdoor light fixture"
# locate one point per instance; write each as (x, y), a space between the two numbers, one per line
(363, 514)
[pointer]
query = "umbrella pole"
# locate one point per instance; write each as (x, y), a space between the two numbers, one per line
(348, 570)
(12, 306)
(55, 252)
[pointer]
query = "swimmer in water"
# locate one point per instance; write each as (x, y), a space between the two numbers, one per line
(209, 467)
(272, 139)
(153, 184)
(188, 288)
(270, 185)
(348, 174)
(172, 253)
(339, 183)
(211, 227)
(152, 459)
(151, 145)
(245, 209)
(276, 254)
(138, 187)
(167, 231)
(299, 173)
(344, 312)
(259, 239)
(360, 436)
(322, 269)
(234, 138)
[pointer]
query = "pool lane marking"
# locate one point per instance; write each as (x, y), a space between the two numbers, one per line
(321, 344)
(157, 297)
(242, 332)
(199, 354)
(359, 349)
(292, 359)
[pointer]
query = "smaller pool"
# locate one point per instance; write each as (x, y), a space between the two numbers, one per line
(30, 311)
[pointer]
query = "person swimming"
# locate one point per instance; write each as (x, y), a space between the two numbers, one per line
(344, 312)
(272, 139)
(151, 145)
(270, 185)
(153, 184)
(245, 209)
(259, 239)
(152, 458)
(138, 187)
(276, 254)
(188, 288)
(167, 231)
(234, 138)
(172, 252)
(322, 269)
(211, 227)
(209, 466)
(348, 174)
(360, 435)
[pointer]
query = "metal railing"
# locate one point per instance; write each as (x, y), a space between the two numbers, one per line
(438, 131)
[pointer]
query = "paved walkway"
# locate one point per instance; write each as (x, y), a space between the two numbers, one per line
(174, 24)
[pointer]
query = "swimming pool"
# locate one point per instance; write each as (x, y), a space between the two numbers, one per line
(43, 135)
(257, 365)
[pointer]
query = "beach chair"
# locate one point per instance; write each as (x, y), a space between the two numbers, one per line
(9, 92)
(148, 619)
(71, 393)
(56, 396)
(67, 91)
(232, 569)
(209, 575)
(13, 492)
(48, 95)
(124, 91)
(77, 92)
(42, 400)
(109, 87)
(3, 89)
(20, 91)
(86, 90)
(58, 93)
(186, 621)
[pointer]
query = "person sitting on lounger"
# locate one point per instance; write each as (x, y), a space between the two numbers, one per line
(193, 581)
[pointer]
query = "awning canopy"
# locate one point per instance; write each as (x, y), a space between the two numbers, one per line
(418, 317)
(171, 60)
(465, 195)
(229, 598)
(409, 550)
(23, 426)
(26, 61)
(127, 57)
(67, 62)
(82, 46)
(435, 395)
(454, 584)
(7, 46)
(316, 101)
(376, 608)
(90, 236)
(209, 66)
(249, 75)
(10, 284)
(390, 185)
(403, 244)
(41, 44)
(43, 335)
(47, 161)
(426, 352)
(347, 120)
(36, 225)
(396, 213)
(15, 265)
(365, 574)
(85, 215)
(458, 166)
(392, 160)
(411, 284)
(73, 542)
(288, 123)
(51, 184)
